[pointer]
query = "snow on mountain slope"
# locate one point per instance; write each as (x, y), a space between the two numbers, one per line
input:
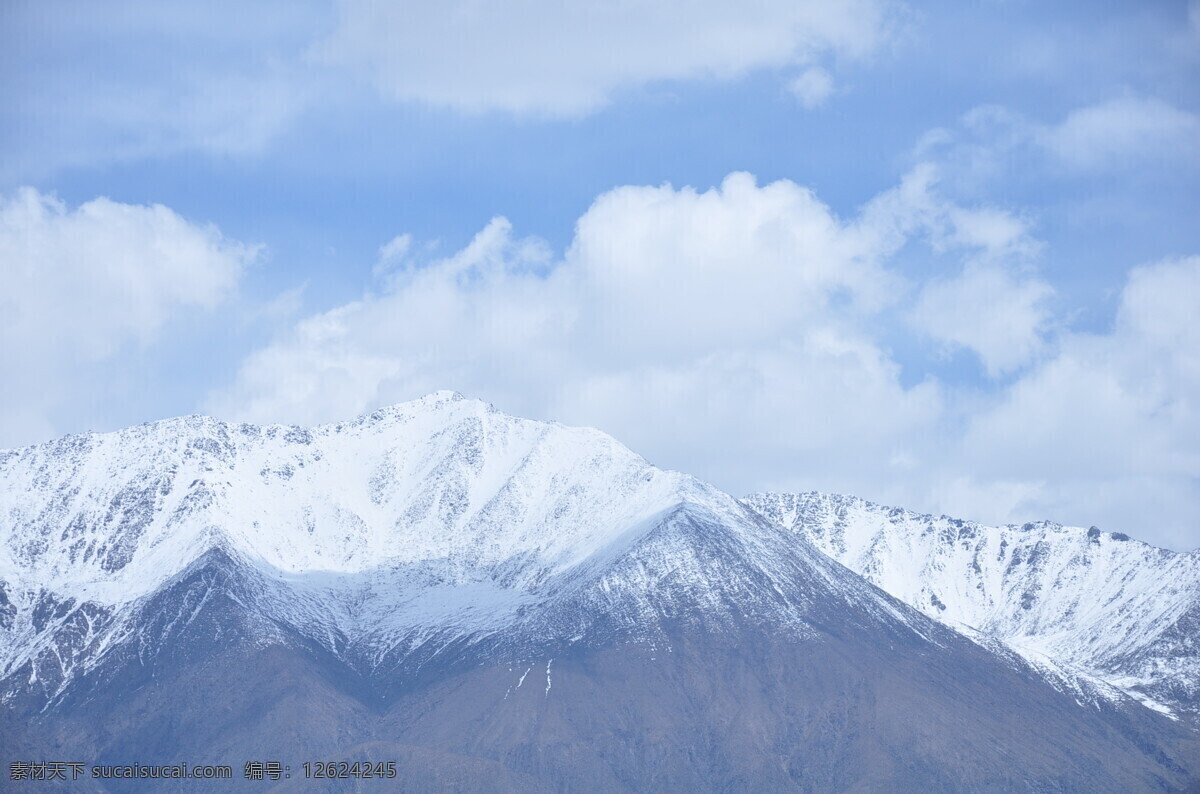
(1097, 602)
(443, 478)
(398, 577)
(421, 525)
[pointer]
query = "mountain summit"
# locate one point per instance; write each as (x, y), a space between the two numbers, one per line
(497, 603)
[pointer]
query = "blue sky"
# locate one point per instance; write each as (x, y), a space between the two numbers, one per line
(943, 255)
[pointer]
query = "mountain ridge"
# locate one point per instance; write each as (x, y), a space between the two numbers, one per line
(1108, 605)
(457, 583)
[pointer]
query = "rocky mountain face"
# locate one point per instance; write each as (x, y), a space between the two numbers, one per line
(498, 604)
(1098, 603)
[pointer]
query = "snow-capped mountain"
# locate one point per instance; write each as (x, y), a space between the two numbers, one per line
(1096, 602)
(502, 603)
(441, 516)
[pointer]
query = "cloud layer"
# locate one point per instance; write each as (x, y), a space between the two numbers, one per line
(1120, 135)
(91, 84)
(553, 58)
(79, 285)
(746, 333)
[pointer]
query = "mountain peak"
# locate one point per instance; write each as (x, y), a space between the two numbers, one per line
(442, 478)
(433, 401)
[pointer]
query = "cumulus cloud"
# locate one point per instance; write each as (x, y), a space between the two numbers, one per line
(1100, 430)
(1107, 426)
(679, 272)
(77, 285)
(721, 331)
(552, 58)
(986, 309)
(671, 307)
(745, 333)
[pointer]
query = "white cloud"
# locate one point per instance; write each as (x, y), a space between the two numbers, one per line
(552, 58)
(743, 334)
(76, 285)
(717, 331)
(1110, 136)
(102, 82)
(392, 255)
(996, 234)
(670, 309)
(1109, 424)
(89, 83)
(1122, 132)
(996, 307)
(812, 87)
(987, 310)
(680, 272)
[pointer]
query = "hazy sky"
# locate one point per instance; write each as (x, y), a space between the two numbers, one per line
(944, 255)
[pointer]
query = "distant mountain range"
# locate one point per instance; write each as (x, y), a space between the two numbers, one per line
(501, 604)
(1095, 603)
